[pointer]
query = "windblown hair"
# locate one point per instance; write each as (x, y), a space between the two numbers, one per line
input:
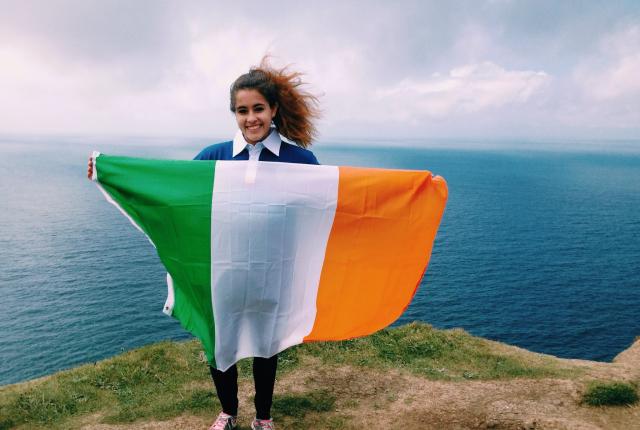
(297, 108)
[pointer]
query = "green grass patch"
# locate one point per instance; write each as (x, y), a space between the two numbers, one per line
(158, 381)
(437, 354)
(168, 379)
(298, 405)
(610, 394)
(147, 382)
(293, 411)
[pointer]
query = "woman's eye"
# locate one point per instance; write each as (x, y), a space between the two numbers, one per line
(259, 109)
(242, 111)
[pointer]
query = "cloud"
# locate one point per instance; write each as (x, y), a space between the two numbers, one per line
(381, 68)
(614, 71)
(465, 89)
(603, 90)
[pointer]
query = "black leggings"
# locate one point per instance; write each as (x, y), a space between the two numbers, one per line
(264, 376)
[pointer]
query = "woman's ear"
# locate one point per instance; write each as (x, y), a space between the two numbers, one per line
(274, 110)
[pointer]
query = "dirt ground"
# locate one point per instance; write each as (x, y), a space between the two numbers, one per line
(367, 399)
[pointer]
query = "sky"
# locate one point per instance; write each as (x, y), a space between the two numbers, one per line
(382, 69)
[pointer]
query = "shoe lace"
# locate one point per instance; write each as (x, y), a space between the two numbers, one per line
(221, 422)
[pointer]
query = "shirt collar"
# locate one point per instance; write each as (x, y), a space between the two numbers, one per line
(272, 142)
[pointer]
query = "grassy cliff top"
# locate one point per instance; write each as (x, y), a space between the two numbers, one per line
(413, 376)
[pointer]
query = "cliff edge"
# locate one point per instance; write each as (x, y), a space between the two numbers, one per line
(413, 377)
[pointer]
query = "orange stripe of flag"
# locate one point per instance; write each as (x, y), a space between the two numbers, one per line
(378, 249)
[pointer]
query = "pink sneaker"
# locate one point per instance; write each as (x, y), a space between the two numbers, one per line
(224, 422)
(262, 424)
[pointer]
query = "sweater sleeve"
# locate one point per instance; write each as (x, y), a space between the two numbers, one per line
(202, 155)
(313, 159)
(218, 151)
(205, 154)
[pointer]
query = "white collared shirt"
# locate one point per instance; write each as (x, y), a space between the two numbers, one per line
(255, 150)
(271, 142)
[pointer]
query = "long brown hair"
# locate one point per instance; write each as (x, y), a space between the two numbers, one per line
(297, 108)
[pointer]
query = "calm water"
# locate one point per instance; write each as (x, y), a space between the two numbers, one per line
(540, 249)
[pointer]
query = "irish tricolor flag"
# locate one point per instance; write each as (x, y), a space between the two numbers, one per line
(262, 256)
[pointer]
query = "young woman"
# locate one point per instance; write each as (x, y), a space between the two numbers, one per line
(267, 103)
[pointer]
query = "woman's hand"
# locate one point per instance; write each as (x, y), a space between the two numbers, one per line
(90, 168)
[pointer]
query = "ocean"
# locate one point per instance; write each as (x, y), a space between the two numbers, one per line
(539, 247)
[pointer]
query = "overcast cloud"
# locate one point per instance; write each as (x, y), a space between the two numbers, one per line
(531, 69)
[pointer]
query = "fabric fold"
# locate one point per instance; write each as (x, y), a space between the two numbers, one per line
(298, 253)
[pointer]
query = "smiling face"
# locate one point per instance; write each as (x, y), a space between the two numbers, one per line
(253, 115)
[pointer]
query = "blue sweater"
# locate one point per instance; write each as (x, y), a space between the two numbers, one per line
(288, 154)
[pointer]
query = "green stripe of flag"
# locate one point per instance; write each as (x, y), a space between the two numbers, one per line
(154, 191)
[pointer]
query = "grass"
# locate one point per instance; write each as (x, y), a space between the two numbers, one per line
(610, 394)
(152, 381)
(290, 411)
(436, 354)
(298, 405)
(168, 379)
